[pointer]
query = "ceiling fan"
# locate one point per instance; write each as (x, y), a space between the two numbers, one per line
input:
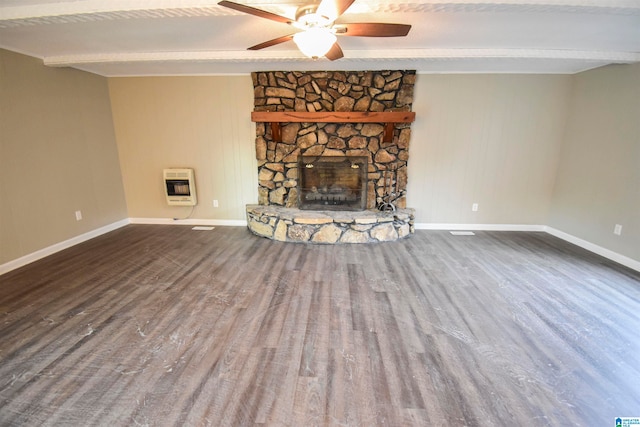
(316, 21)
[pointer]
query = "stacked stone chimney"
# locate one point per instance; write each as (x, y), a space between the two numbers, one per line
(323, 91)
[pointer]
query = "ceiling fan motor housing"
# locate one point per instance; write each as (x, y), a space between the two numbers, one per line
(307, 17)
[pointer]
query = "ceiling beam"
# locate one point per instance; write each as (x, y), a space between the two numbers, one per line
(392, 54)
(101, 9)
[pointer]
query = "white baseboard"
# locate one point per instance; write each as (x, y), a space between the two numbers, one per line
(609, 254)
(190, 221)
(24, 260)
(50, 250)
(479, 227)
(592, 247)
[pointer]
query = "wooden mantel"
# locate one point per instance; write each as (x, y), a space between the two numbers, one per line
(389, 118)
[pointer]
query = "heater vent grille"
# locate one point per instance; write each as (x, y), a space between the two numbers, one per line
(180, 187)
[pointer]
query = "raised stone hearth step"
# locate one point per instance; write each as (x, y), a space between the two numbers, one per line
(329, 227)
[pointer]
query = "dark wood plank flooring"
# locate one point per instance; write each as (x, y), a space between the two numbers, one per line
(168, 326)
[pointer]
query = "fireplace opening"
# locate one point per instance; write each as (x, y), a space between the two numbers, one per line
(332, 183)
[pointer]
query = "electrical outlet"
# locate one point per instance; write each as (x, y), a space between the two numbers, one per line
(215, 203)
(78, 215)
(474, 207)
(617, 229)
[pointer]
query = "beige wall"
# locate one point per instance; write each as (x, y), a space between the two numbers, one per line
(487, 139)
(57, 155)
(598, 180)
(202, 123)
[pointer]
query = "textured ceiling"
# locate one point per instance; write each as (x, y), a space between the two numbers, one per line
(193, 37)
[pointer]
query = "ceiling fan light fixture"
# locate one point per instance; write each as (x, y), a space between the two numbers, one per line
(315, 42)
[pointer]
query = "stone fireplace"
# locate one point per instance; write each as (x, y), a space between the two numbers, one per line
(308, 125)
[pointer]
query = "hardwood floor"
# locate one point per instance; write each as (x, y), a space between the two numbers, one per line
(164, 325)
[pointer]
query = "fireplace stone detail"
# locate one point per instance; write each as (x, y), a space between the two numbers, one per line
(332, 91)
(329, 227)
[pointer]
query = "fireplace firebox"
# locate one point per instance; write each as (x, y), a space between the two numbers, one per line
(332, 182)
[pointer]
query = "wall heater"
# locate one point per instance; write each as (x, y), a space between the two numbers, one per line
(180, 187)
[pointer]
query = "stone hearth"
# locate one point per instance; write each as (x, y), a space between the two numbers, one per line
(329, 227)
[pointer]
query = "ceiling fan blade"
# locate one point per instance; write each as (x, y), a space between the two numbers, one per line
(332, 9)
(373, 29)
(256, 12)
(273, 42)
(334, 53)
